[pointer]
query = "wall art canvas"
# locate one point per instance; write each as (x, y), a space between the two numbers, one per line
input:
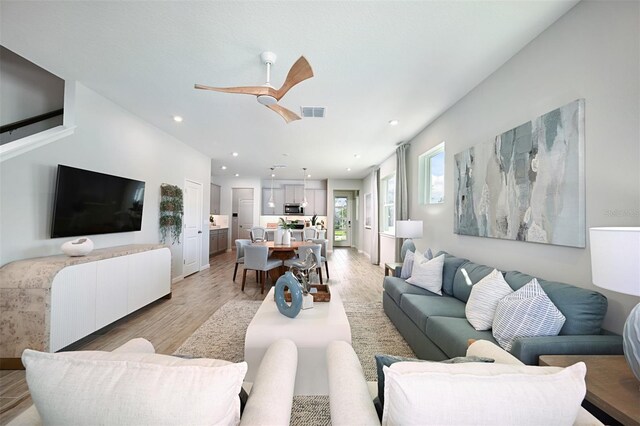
(527, 184)
(368, 211)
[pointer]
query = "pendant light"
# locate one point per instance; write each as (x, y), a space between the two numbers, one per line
(271, 203)
(304, 188)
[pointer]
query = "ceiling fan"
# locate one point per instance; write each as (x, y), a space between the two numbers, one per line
(267, 95)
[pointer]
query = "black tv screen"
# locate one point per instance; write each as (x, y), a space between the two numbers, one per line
(89, 203)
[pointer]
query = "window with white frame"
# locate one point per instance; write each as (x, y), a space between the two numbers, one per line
(431, 175)
(388, 198)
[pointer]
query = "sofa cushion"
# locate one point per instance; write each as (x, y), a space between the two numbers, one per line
(78, 390)
(484, 298)
(452, 335)
(418, 308)
(427, 273)
(583, 309)
(451, 265)
(482, 393)
(527, 312)
(476, 272)
(395, 287)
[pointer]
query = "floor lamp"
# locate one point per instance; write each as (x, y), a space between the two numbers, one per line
(615, 265)
(408, 229)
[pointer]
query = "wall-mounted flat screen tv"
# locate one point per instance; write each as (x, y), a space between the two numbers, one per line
(89, 203)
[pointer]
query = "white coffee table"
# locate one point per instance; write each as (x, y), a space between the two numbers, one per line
(312, 330)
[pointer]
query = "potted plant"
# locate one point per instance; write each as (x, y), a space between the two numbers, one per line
(286, 236)
(314, 219)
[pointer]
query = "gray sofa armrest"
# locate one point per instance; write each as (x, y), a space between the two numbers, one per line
(528, 349)
(349, 397)
(271, 395)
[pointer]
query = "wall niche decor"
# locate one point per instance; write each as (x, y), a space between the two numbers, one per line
(527, 184)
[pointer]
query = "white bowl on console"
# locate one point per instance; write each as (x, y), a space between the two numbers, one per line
(78, 247)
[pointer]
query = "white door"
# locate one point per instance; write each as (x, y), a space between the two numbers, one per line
(245, 217)
(192, 227)
(341, 221)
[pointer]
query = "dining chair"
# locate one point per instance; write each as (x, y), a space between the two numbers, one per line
(258, 233)
(324, 242)
(256, 258)
(309, 234)
(240, 245)
(302, 253)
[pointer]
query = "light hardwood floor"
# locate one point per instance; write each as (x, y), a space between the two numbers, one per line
(168, 323)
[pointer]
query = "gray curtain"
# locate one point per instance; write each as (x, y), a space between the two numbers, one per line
(402, 192)
(375, 225)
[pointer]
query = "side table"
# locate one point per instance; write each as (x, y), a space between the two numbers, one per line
(611, 386)
(390, 268)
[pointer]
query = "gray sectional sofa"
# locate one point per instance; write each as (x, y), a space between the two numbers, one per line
(436, 327)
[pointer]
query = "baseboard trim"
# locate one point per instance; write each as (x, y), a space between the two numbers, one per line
(202, 268)
(177, 279)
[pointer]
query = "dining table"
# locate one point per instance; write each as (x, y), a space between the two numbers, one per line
(281, 252)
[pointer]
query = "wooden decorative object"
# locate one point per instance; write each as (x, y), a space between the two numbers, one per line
(323, 294)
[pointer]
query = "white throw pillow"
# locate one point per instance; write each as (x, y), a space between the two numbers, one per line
(427, 273)
(482, 394)
(484, 298)
(92, 388)
(407, 265)
(527, 312)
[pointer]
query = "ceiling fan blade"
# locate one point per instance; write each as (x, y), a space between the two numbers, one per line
(288, 116)
(247, 90)
(299, 72)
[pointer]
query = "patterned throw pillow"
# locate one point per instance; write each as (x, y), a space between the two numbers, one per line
(484, 298)
(427, 274)
(407, 265)
(527, 312)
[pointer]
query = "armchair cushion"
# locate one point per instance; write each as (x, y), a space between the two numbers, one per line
(132, 388)
(475, 393)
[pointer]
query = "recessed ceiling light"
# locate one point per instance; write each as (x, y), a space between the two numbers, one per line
(356, 155)
(285, 155)
(273, 175)
(348, 169)
(223, 167)
(393, 122)
(177, 119)
(237, 174)
(308, 176)
(235, 154)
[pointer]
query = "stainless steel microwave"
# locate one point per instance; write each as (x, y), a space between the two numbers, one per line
(293, 208)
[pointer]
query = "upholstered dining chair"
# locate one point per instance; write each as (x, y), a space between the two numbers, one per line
(324, 254)
(309, 234)
(258, 233)
(302, 253)
(256, 258)
(240, 245)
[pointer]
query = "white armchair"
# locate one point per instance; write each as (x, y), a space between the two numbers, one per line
(270, 395)
(351, 396)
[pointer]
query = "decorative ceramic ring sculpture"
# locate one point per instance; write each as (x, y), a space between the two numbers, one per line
(79, 247)
(289, 281)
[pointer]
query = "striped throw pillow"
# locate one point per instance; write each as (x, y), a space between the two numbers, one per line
(527, 312)
(484, 298)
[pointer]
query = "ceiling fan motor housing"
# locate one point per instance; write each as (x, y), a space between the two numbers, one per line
(267, 100)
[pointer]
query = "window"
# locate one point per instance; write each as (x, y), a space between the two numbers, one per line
(388, 198)
(431, 176)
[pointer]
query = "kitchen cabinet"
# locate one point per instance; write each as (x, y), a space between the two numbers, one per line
(214, 199)
(278, 200)
(218, 240)
(316, 202)
(293, 193)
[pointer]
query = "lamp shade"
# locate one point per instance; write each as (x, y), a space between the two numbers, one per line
(408, 229)
(615, 259)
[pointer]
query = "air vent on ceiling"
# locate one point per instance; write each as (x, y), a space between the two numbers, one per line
(314, 112)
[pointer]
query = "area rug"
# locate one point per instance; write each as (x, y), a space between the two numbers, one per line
(222, 337)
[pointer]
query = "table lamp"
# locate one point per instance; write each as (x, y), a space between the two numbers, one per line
(615, 265)
(408, 229)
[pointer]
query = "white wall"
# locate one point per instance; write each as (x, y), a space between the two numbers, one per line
(593, 53)
(108, 139)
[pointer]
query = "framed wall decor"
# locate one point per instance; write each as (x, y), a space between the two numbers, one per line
(368, 211)
(527, 184)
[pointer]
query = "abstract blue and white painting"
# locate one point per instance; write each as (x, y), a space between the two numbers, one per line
(527, 184)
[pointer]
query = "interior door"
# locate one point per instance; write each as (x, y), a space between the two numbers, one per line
(341, 221)
(245, 217)
(192, 227)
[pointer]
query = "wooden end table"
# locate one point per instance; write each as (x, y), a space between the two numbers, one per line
(611, 386)
(390, 268)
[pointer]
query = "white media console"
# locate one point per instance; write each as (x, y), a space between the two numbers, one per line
(52, 302)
